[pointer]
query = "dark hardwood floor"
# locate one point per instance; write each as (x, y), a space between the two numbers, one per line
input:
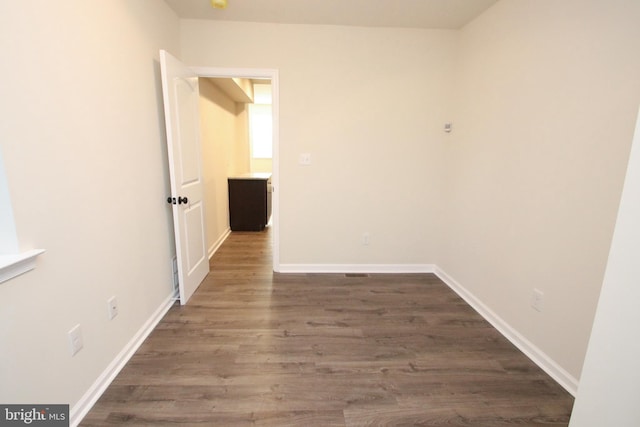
(257, 348)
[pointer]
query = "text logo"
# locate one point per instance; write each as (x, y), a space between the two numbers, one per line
(34, 415)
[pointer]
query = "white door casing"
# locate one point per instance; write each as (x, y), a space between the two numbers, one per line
(181, 96)
(273, 76)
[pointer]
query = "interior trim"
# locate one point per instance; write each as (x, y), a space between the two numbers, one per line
(562, 377)
(540, 358)
(16, 264)
(357, 268)
(216, 245)
(86, 402)
(271, 74)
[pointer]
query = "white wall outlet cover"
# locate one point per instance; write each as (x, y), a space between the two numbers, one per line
(75, 339)
(112, 307)
(537, 300)
(305, 159)
(366, 238)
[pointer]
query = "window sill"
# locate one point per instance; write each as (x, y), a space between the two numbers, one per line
(16, 264)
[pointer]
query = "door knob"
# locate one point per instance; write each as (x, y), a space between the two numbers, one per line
(179, 201)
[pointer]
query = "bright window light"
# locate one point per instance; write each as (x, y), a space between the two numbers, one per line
(260, 123)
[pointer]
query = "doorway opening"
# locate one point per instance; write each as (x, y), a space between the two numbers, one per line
(255, 156)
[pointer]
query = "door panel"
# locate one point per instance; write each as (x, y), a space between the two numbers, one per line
(196, 253)
(186, 93)
(181, 97)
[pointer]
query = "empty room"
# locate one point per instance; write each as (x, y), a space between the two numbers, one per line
(453, 237)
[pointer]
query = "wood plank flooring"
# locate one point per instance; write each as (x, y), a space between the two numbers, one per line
(254, 348)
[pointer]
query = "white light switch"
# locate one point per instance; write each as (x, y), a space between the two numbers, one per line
(305, 159)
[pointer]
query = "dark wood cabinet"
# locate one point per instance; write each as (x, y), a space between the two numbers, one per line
(249, 201)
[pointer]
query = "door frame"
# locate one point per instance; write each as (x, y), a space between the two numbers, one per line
(271, 74)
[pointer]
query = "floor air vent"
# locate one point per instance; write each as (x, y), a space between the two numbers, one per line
(356, 275)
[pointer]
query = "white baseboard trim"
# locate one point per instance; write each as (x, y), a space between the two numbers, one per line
(356, 268)
(555, 371)
(86, 402)
(216, 245)
(567, 381)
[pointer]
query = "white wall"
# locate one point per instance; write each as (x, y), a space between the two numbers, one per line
(608, 393)
(8, 237)
(545, 103)
(369, 105)
(83, 140)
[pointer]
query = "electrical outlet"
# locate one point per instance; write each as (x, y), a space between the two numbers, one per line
(75, 339)
(305, 159)
(112, 307)
(366, 238)
(537, 300)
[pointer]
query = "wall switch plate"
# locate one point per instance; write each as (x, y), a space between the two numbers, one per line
(305, 159)
(537, 300)
(112, 307)
(75, 339)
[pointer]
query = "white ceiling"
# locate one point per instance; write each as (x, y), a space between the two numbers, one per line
(443, 14)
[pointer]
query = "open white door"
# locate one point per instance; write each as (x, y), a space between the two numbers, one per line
(181, 97)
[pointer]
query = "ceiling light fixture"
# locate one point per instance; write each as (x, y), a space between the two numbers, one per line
(219, 4)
